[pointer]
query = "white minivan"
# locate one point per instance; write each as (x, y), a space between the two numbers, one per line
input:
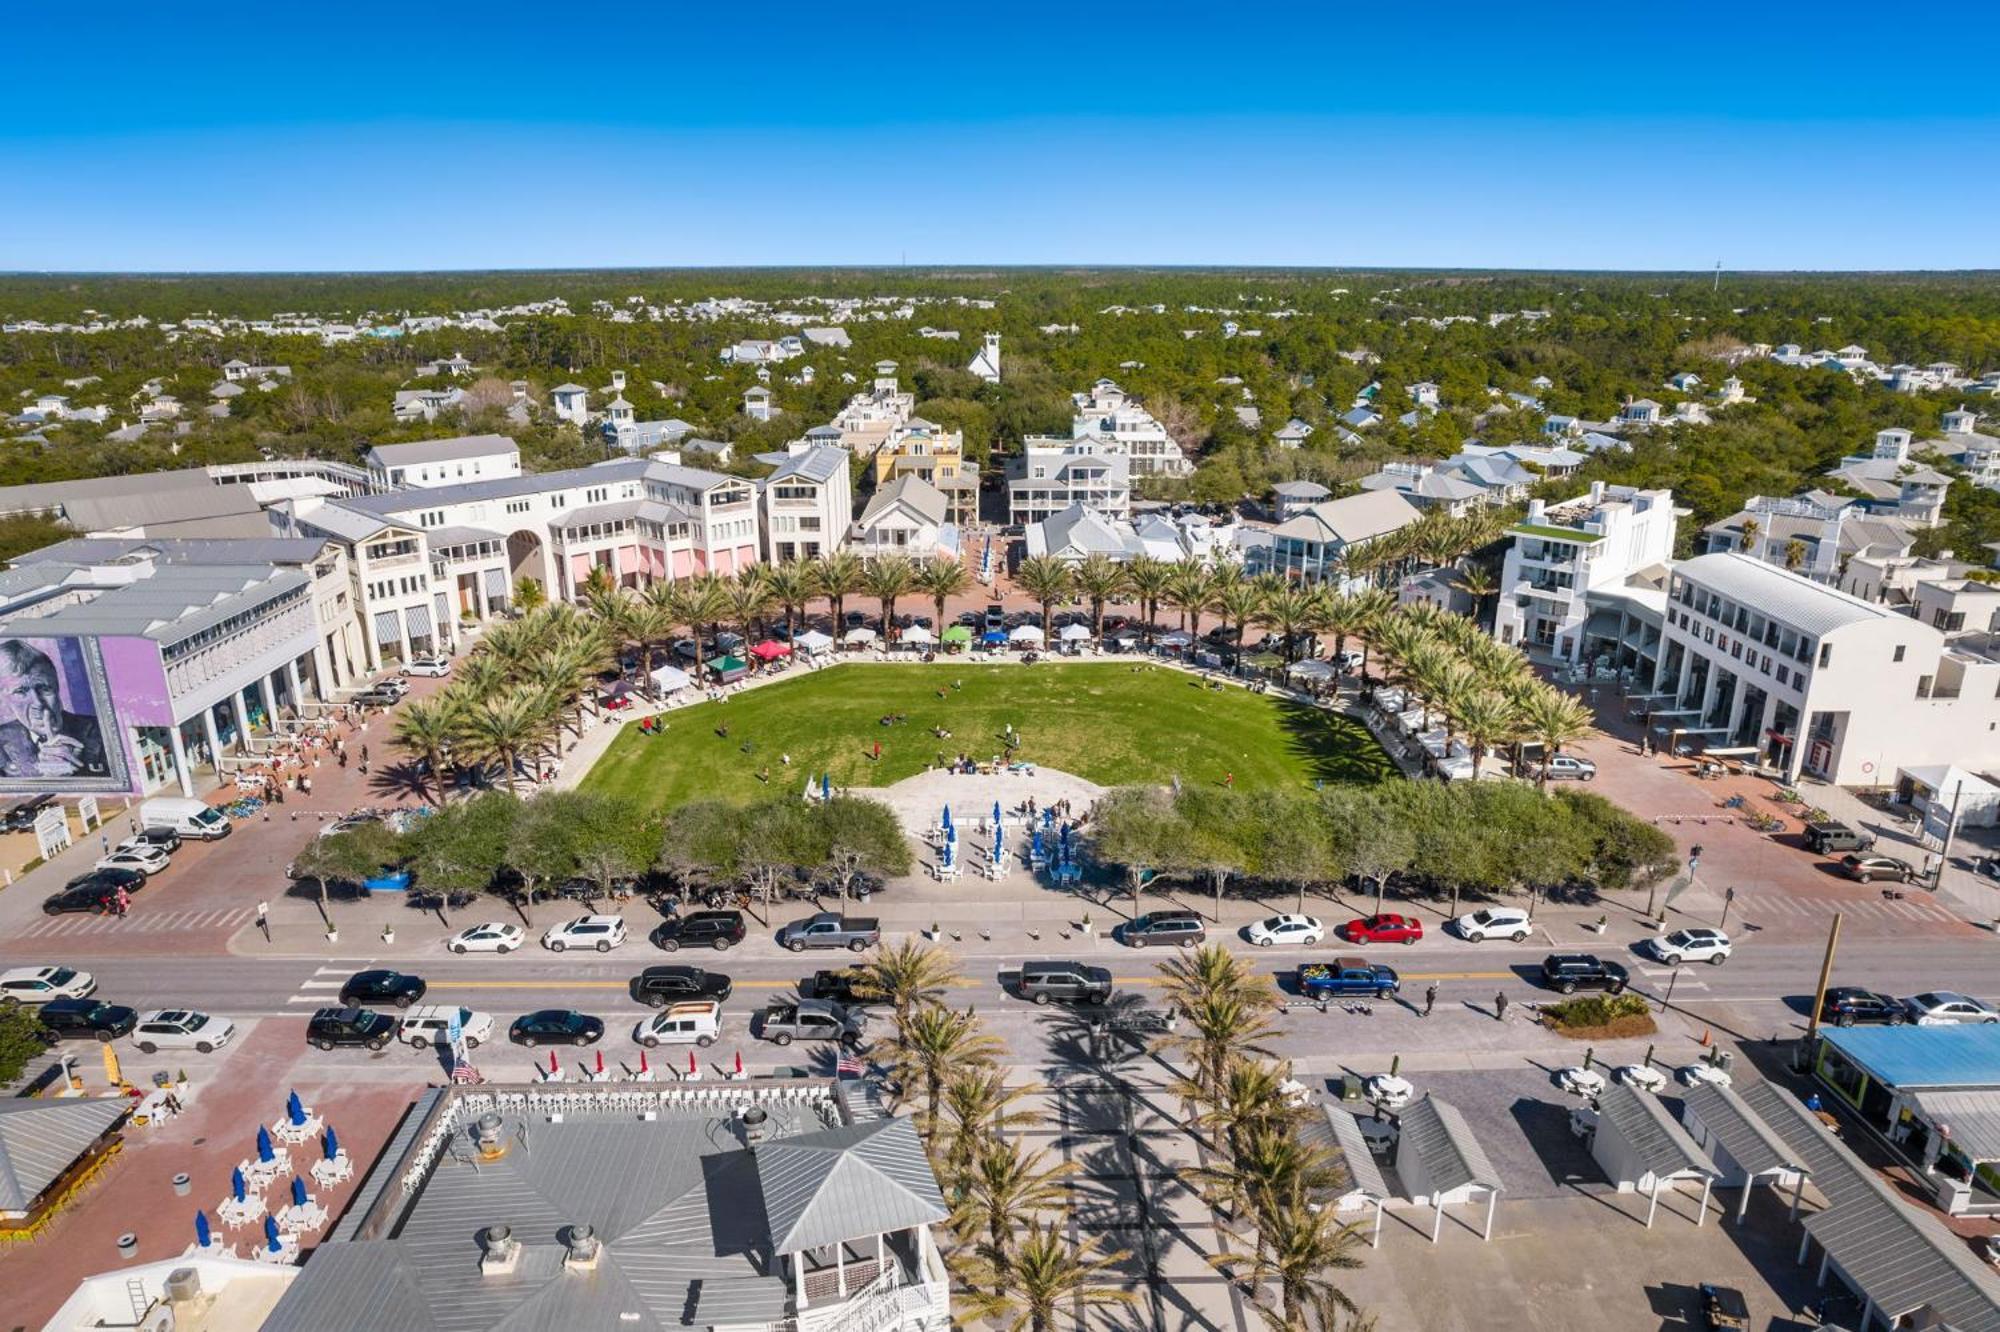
(681, 1024)
(190, 818)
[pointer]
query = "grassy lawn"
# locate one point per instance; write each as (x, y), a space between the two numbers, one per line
(1103, 722)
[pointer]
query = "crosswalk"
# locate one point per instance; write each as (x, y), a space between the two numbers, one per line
(1922, 908)
(139, 922)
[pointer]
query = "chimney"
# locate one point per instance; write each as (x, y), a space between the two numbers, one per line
(1535, 510)
(503, 1252)
(582, 1248)
(755, 1125)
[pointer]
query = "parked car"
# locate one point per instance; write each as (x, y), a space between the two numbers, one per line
(431, 666)
(21, 815)
(657, 987)
(719, 930)
(1156, 928)
(1494, 923)
(810, 1020)
(130, 880)
(696, 1023)
(84, 895)
(144, 861)
(1938, 1007)
(603, 933)
(830, 929)
(1831, 835)
(556, 1026)
(1347, 977)
(849, 987)
(1064, 982)
(182, 1029)
(1347, 662)
(38, 985)
(1866, 868)
(1846, 1005)
(381, 696)
(1697, 943)
(1285, 929)
(1389, 927)
(494, 937)
(1566, 973)
(1565, 768)
(350, 1026)
(430, 1024)
(81, 1019)
(160, 839)
(382, 987)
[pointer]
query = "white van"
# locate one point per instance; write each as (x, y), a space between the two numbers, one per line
(189, 818)
(681, 1024)
(430, 1024)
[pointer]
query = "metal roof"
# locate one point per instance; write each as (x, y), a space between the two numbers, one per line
(1749, 1141)
(39, 1139)
(180, 550)
(174, 603)
(1810, 607)
(1906, 1057)
(855, 1180)
(1435, 1147)
(908, 491)
(1341, 1136)
(1658, 1142)
(1972, 1116)
(443, 450)
(821, 462)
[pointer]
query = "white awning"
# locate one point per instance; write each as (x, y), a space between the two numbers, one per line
(1075, 633)
(861, 633)
(1312, 669)
(812, 640)
(1027, 633)
(916, 633)
(666, 679)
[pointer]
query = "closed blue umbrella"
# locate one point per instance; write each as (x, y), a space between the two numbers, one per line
(1035, 850)
(998, 843)
(1048, 817)
(332, 1143)
(946, 856)
(295, 1108)
(264, 1152)
(236, 1185)
(201, 1231)
(298, 1192)
(826, 786)
(996, 813)
(946, 825)
(271, 1232)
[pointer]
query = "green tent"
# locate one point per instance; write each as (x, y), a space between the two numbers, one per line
(957, 633)
(729, 668)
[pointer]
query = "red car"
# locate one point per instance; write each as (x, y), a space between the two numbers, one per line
(1385, 928)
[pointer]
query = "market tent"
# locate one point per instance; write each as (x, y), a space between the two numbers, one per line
(916, 633)
(860, 633)
(1075, 633)
(666, 679)
(770, 650)
(1027, 633)
(994, 636)
(1177, 639)
(958, 633)
(813, 641)
(729, 668)
(1311, 669)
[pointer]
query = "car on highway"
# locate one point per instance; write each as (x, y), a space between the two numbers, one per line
(1285, 928)
(699, 929)
(1347, 978)
(430, 1024)
(1696, 943)
(603, 933)
(143, 860)
(656, 987)
(556, 1026)
(1935, 1008)
(1158, 928)
(1870, 866)
(1388, 927)
(86, 1019)
(98, 898)
(1566, 973)
(38, 985)
(182, 1029)
(330, 1027)
(1494, 923)
(492, 937)
(1846, 1005)
(396, 988)
(695, 1023)
(810, 1020)
(431, 666)
(830, 929)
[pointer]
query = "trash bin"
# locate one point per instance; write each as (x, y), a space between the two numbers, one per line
(1349, 1087)
(183, 1184)
(128, 1245)
(1725, 1059)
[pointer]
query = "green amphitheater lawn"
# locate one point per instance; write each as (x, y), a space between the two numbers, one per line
(1105, 722)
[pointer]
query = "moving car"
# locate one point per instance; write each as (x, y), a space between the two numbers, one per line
(1566, 767)
(77, 1019)
(603, 933)
(699, 929)
(1163, 927)
(1389, 927)
(1868, 867)
(182, 1029)
(810, 1020)
(1938, 1007)
(1065, 982)
(1566, 973)
(1285, 929)
(382, 987)
(1830, 835)
(430, 1024)
(556, 1026)
(657, 987)
(1697, 943)
(431, 666)
(1494, 923)
(830, 929)
(1845, 1005)
(848, 987)
(1347, 977)
(38, 985)
(493, 937)
(350, 1026)
(696, 1023)
(84, 895)
(145, 860)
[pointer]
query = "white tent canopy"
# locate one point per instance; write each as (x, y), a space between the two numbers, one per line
(916, 633)
(1178, 638)
(1075, 633)
(860, 633)
(1311, 669)
(666, 679)
(1027, 633)
(812, 640)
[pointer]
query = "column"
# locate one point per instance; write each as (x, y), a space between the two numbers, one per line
(479, 594)
(180, 759)
(214, 738)
(1708, 693)
(1738, 701)
(403, 633)
(292, 679)
(1766, 720)
(242, 722)
(325, 674)
(371, 651)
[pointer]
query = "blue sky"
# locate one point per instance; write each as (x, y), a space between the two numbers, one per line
(365, 136)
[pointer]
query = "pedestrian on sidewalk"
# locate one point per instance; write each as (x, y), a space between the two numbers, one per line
(1499, 1008)
(1430, 998)
(264, 919)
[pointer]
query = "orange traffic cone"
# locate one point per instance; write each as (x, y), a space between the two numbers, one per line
(1706, 1040)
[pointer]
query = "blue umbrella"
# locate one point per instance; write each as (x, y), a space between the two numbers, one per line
(1048, 817)
(826, 786)
(295, 1108)
(201, 1232)
(332, 1143)
(996, 813)
(946, 825)
(950, 847)
(298, 1191)
(994, 636)
(264, 1152)
(271, 1232)
(1035, 851)
(236, 1183)
(997, 843)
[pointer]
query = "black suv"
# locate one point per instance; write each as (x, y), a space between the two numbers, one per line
(75, 1019)
(656, 987)
(699, 929)
(382, 987)
(1570, 972)
(849, 987)
(1846, 1005)
(1164, 927)
(350, 1026)
(1067, 982)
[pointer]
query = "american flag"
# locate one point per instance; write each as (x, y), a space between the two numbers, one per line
(849, 1066)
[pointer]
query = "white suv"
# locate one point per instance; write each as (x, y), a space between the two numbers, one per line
(1695, 944)
(1494, 923)
(38, 985)
(681, 1024)
(603, 933)
(432, 666)
(430, 1024)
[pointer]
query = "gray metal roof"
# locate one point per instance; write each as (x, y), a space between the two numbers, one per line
(1749, 1141)
(1340, 1135)
(1972, 1116)
(437, 538)
(173, 604)
(1902, 1259)
(181, 550)
(847, 1182)
(1659, 1143)
(820, 463)
(39, 1139)
(442, 450)
(909, 491)
(1810, 607)
(1435, 1144)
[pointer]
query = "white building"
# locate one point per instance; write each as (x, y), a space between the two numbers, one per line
(444, 462)
(1818, 534)
(986, 364)
(1312, 547)
(1056, 473)
(1561, 552)
(1893, 484)
(571, 402)
(808, 504)
(757, 404)
(908, 516)
(1106, 413)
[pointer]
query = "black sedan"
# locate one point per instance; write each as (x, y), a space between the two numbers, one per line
(556, 1026)
(96, 898)
(130, 880)
(86, 1019)
(367, 989)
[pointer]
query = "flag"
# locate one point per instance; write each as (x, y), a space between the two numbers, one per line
(849, 1066)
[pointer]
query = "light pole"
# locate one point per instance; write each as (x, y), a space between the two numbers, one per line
(1673, 978)
(1728, 899)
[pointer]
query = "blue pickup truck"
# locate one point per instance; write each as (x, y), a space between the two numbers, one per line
(1347, 978)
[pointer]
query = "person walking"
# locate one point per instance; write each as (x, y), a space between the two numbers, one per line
(264, 919)
(1499, 1008)
(1229, 780)
(1430, 998)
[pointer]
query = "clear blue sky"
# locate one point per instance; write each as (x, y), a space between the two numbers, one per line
(376, 136)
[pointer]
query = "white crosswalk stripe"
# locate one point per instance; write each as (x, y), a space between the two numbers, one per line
(323, 989)
(152, 922)
(1868, 909)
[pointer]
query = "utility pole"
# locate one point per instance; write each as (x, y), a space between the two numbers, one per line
(1825, 974)
(1718, 276)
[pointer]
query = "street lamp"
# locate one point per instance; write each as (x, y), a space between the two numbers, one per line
(1728, 899)
(1673, 978)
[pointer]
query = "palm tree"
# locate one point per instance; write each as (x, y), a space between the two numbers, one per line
(425, 728)
(483, 674)
(1554, 719)
(1748, 540)
(909, 975)
(1290, 612)
(933, 1042)
(1371, 608)
(529, 595)
(750, 600)
(1239, 602)
(649, 626)
(1478, 583)
(1488, 719)
(1005, 1185)
(1190, 589)
(1044, 1275)
(1046, 579)
(1226, 1004)
(791, 588)
(1263, 1159)
(980, 1107)
(700, 602)
(834, 577)
(1098, 579)
(1148, 579)
(1795, 554)
(501, 728)
(886, 579)
(942, 579)
(1300, 1244)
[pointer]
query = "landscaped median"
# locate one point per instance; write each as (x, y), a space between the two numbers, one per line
(1600, 1017)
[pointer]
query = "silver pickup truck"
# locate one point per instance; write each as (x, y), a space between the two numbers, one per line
(830, 929)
